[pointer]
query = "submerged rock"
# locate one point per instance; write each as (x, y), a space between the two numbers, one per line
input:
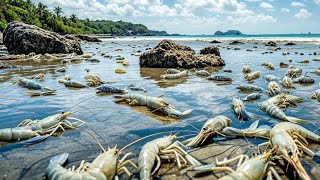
(271, 43)
(290, 44)
(215, 41)
(168, 54)
(20, 38)
(210, 50)
(236, 42)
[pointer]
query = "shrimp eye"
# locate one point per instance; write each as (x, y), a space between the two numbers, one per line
(290, 153)
(204, 128)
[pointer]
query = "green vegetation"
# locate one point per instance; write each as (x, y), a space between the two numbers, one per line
(25, 11)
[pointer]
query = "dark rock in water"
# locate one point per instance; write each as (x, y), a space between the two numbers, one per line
(20, 38)
(290, 44)
(210, 50)
(88, 38)
(271, 43)
(301, 54)
(314, 53)
(237, 49)
(93, 60)
(168, 54)
(255, 47)
(236, 42)
(215, 41)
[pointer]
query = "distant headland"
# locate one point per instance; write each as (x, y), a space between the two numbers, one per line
(229, 32)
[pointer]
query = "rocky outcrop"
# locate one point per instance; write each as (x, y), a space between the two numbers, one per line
(210, 50)
(88, 38)
(228, 33)
(236, 42)
(20, 38)
(271, 43)
(215, 41)
(290, 44)
(168, 54)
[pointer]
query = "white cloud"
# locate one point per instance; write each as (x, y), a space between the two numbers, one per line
(303, 14)
(266, 6)
(297, 4)
(261, 18)
(286, 10)
(317, 1)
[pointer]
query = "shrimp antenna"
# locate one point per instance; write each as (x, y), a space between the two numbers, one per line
(151, 135)
(96, 134)
(94, 137)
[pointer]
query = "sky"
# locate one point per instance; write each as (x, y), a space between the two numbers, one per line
(195, 17)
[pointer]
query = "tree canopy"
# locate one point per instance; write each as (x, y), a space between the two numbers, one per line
(39, 15)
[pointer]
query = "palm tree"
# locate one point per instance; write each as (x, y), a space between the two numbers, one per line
(73, 18)
(41, 9)
(58, 11)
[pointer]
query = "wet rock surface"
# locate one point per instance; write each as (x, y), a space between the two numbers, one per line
(236, 42)
(88, 38)
(20, 38)
(290, 44)
(210, 50)
(168, 54)
(215, 41)
(271, 43)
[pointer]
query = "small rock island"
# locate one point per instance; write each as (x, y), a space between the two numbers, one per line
(228, 33)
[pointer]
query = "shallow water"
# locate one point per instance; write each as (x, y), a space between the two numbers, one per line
(120, 124)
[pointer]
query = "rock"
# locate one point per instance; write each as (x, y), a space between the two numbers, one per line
(236, 42)
(271, 43)
(168, 54)
(210, 50)
(72, 37)
(215, 41)
(88, 38)
(290, 44)
(20, 38)
(1, 37)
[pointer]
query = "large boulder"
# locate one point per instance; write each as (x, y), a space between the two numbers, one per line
(168, 54)
(210, 50)
(20, 38)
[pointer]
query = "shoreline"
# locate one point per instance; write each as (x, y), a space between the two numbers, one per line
(226, 39)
